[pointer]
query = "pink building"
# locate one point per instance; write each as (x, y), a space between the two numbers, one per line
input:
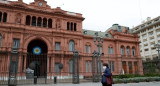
(52, 34)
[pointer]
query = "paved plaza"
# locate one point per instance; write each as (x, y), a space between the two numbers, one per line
(99, 84)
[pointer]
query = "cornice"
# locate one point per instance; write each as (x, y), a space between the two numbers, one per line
(123, 34)
(52, 12)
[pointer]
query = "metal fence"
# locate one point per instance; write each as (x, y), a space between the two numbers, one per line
(151, 66)
(25, 68)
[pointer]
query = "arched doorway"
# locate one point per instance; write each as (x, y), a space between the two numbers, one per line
(37, 57)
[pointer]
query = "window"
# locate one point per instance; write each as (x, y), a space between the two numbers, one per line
(86, 50)
(111, 65)
(152, 43)
(89, 49)
(71, 26)
(44, 22)
(57, 44)
(33, 21)
(85, 32)
(146, 49)
(71, 66)
(153, 48)
(71, 45)
(75, 25)
(151, 37)
(144, 35)
(50, 23)
(39, 23)
(28, 19)
(110, 50)
(144, 40)
(15, 43)
(150, 33)
(0, 16)
(145, 45)
(86, 66)
(122, 50)
(130, 67)
(136, 67)
(100, 65)
(128, 51)
(57, 70)
(0, 40)
(90, 66)
(4, 17)
(68, 25)
(133, 52)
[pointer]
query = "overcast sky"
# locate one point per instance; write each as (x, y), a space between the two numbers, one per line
(101, 14)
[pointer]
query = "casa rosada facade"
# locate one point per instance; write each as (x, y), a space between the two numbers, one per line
(37, 29)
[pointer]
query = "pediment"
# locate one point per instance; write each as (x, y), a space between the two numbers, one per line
(40, 3)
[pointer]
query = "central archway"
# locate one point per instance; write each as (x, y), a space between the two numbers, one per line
(37, 57)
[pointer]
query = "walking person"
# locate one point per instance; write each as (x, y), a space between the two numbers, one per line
(107, 79)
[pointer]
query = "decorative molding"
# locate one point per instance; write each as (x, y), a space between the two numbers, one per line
(18, 18)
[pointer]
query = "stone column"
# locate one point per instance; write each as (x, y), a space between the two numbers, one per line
(48, 67)
(127, 67)
(140, 67)
(133, 68)
(119, 65)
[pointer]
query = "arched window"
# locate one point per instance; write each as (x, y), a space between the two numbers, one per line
(28, 19)
(50, 23)
(70, 66)
(0, 40)
(0, 16)
(71, 45)
(89, 49)
(68, 25)
(122, 50)
(44, 22)
(71, 26)
(110, 50)
(133, 51)
(100, 49)
(75, 25)
(39, 23)
(4, 17)
(128, 52)
(33, 21)
(86, 48)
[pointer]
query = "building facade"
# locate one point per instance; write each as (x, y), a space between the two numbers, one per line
(52, 34)
(149, 33)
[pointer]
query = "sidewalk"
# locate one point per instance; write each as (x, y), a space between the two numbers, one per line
(99, 84)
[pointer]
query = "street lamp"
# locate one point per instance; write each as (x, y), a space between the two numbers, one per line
(157, 46)
(95, 67)
(99, 42)
(75, 67)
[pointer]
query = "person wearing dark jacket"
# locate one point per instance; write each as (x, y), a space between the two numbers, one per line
(106, 73)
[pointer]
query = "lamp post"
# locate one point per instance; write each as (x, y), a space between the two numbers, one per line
(157, 46)
(75, 67)
(98, 42)
(95, 67)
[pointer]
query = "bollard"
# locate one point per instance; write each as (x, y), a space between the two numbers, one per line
(35, 79)
(55, 80)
